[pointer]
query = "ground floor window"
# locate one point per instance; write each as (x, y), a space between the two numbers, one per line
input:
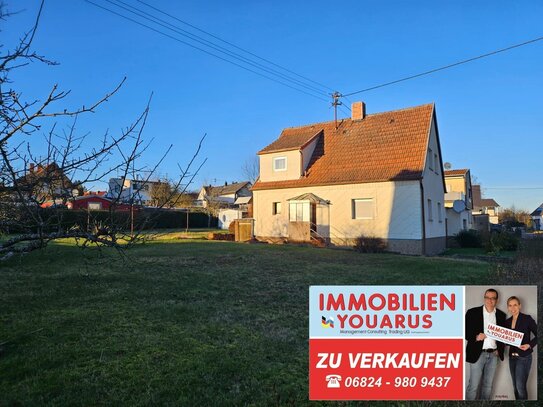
(299, 211)
(363, 208)
(95, 206)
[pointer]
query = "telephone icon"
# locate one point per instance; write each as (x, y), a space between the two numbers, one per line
(333, 381)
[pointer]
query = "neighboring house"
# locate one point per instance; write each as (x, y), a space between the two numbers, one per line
(374, 175)
(96, 203)
(224, 195)
(245, 204)
(458, 201)
(135, 191)
(242, 208)
(48, 185)
(537, 218)
(485, 206)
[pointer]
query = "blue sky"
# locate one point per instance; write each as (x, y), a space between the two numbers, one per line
(489, 112)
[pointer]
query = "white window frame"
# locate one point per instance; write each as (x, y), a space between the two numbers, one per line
(439, 214)
(275, 160)
(353, 204)
(299, 211)
(276, 208)
(96, 206)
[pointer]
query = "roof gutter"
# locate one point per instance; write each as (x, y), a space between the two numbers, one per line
(423, 218)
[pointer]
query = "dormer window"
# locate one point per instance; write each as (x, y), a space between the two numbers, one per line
(280, 164)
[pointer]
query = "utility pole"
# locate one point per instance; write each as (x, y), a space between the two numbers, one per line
(336, 102)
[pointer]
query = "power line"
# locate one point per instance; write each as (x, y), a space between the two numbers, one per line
(292, 83)
(235, 46)
(514, 188)
(203, 50)
(149, 17)
(465, 61)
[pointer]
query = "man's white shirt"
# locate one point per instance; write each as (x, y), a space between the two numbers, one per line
(489, 318)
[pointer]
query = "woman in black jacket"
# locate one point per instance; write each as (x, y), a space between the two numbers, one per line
(520, 359)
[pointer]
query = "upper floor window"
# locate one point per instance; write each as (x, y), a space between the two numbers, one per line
(436, 163)
(430, 214)
(280, 164)
(430, 159)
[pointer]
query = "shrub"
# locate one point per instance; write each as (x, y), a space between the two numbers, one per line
(469, 238)
(369, 244)
(499, 241)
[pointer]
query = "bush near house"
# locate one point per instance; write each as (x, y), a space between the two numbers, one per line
(469, 238)
(370, 244)
(499, 241)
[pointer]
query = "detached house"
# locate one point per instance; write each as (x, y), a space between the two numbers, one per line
(485, 206)
(374, 175)
(537, 218)
(223, 195)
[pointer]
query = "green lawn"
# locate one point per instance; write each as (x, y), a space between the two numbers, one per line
(179, 322)
(477, 251)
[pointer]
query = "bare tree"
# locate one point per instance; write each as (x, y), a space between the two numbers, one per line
(162, 193)
(29, 182)
(251, 169)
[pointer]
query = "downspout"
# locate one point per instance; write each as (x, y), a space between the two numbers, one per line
(423, 219)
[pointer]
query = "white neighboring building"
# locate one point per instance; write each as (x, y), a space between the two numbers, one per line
(223, 195)
(131, 191)
(485, 206)
(377, 175)
(227, 216)
(458, 201)
(537, 218)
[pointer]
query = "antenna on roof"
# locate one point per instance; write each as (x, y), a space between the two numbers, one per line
(336, 102)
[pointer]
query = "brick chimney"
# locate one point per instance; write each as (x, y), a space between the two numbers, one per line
(358, 110)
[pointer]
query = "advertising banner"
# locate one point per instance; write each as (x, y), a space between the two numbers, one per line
(386, 343)
(410, 342)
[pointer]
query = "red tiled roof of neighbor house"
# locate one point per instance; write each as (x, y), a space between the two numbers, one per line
(389, 146)
(453, 173)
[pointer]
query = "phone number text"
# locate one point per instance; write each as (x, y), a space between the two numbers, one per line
(397, 382)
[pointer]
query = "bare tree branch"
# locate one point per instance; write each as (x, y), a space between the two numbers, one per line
(35, 190)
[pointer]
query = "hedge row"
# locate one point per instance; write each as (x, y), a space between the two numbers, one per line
(143, 220)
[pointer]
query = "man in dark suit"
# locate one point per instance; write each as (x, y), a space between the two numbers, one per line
(482, 353)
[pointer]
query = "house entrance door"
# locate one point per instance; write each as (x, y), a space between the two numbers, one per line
(313, 217)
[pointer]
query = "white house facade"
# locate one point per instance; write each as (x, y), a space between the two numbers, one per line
(374, 175)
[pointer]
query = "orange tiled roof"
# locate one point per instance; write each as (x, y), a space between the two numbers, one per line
(388, 146)
(292, 139)
(455, 173)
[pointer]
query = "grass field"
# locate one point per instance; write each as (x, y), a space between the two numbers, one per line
(179, 322)
(475, 252)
